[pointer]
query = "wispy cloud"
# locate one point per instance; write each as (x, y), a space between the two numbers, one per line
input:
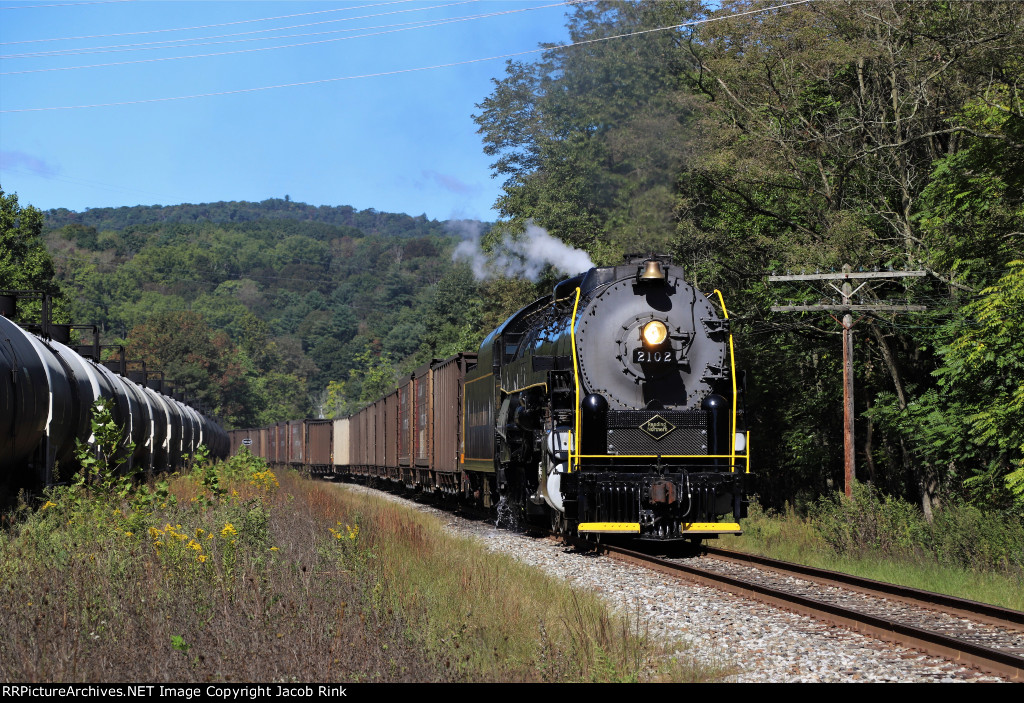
(19, 160)
(450, 183)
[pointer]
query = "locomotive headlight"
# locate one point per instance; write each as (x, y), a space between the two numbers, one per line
(655, 333)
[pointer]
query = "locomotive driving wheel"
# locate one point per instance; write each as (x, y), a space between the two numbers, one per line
(558, 525)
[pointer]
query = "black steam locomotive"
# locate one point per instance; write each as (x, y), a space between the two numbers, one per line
(612, 406)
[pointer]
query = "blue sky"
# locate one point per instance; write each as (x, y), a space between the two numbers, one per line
(397, 143)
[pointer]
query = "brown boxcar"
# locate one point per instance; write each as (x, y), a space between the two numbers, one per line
(391, 436)
(367, 438)
(264, 442)
(281, 429)
(235, 440)
(422, 416)
(422, 434)
(447, 378)
(319, 436)
(296, 442)
(271, 448)
(342, 443)
(405, 422)
(357, 441)
(379, 437)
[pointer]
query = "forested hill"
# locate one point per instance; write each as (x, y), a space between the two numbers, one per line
(272, 310)
(368, 221)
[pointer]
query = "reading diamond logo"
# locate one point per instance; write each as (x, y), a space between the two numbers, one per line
(657, 427)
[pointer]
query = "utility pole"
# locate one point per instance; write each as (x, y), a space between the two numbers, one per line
(848, 436)
(847, 307)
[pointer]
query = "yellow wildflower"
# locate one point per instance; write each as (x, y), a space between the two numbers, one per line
(229, 530)
(201, 558)
(48, 504)
(192, 544)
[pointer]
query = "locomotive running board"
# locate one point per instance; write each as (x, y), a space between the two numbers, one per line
(708, 528)
(689, 528)
(633, 527)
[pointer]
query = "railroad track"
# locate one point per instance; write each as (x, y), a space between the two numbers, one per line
(973, 634)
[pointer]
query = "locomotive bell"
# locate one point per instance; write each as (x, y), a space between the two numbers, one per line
(652, 271)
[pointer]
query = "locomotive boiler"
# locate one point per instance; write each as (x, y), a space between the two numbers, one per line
(611, 406)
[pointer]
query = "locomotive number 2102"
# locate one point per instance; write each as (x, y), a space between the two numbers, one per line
(646, 356)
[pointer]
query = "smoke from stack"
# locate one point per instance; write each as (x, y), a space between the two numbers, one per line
(525, 256)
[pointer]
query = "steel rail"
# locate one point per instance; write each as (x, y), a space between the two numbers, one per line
(973, 610)
(1001, 663)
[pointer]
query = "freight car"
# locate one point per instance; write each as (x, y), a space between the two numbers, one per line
(609, 406)
(47, 392)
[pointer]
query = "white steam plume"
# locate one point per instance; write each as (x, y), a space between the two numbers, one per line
(523, 256)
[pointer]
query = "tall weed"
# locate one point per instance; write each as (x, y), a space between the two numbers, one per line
(869, 523)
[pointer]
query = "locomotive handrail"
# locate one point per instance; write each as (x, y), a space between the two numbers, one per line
(732, 376)
(575, 446)
(543, 385)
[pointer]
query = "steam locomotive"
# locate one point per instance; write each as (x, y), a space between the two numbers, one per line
(47, 393)
(609, 406)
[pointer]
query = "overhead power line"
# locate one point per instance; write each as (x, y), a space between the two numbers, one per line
(207, 40)
(189, 29)
(425, 25)
(64, 4)
(396, 72)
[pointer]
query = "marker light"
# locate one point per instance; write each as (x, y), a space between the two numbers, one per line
(655, 332)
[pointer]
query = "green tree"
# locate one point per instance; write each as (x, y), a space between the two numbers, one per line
(376, 375)
(25, 263)
(983, 382)
(590, 138)
(198, 359)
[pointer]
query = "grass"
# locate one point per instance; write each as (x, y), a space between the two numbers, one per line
(491, 616)
(233, 573)
(866, 537)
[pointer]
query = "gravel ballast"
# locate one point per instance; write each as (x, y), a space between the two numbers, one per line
(762, 643)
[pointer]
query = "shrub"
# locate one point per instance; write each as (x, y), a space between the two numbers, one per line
(869, 523)
(962, 535)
